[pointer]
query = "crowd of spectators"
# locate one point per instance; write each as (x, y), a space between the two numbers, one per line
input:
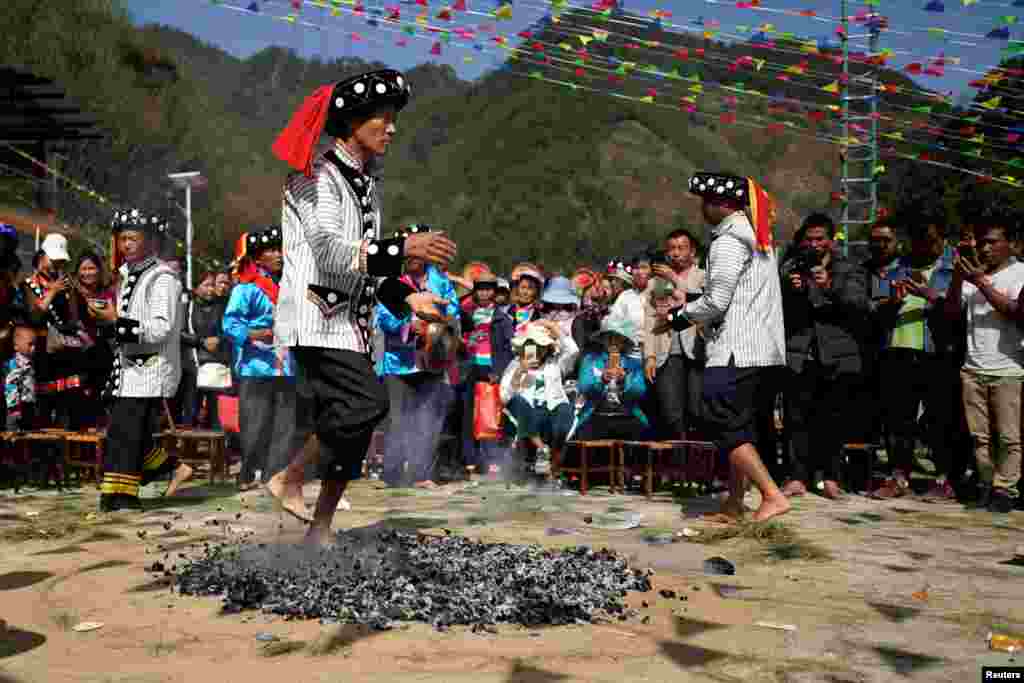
(920, 344)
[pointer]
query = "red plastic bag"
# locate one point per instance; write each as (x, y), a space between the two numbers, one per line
(487, 413)
(227, 409)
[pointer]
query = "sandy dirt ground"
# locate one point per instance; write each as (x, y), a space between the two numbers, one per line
(865, 590)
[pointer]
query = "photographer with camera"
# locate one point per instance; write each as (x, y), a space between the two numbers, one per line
(825, 304)
(674, 361)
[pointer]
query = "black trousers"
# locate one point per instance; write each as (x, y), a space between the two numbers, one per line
(347, 401)
(677, 391)
(268, 421)
(908, 379)
(822, 413)
(132, 457)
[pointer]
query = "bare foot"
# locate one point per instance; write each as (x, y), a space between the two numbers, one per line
(320, 537)
(344, 505)
(794, 489)
(288, 494)
(426, 484)
(181, 475)
(772, 507)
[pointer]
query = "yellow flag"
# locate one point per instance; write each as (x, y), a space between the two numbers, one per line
(832, 87)
(993, 103)
(504, 12)
(585, 39)
(648, 99)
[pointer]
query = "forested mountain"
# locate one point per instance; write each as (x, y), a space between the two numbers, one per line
(514, 167)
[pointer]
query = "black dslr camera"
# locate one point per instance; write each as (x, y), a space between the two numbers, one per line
(804, 260)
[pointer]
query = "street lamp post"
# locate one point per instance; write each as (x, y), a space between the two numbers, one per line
(189, 180)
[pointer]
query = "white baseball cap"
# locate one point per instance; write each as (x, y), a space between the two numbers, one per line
(56, 247)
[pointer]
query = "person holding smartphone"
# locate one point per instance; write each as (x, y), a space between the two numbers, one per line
(918, 364)
(674, 362)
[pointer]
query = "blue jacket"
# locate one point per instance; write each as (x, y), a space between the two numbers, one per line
(250, 309)
(593, 388)
(399, 357)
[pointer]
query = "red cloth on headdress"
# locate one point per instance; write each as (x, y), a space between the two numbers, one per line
(254, 274)
(297, 143)
(762, 214)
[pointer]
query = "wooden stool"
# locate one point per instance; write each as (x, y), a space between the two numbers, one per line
(14, 458)
(85, 452)
(187, 444)
(699, 458)
(612, 469)
(27, 442)
(652, 451)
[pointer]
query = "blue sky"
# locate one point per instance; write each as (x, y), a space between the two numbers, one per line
(243, 33)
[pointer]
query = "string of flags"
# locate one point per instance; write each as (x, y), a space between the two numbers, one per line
(587, 65)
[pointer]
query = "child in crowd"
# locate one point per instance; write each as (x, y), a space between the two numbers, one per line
(537, 408)
(20, 383)
(478, 332)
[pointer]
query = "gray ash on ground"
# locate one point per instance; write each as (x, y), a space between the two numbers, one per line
(380, 577)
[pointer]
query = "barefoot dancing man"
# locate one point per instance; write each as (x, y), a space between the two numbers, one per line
(333, 259)
(741, 310)
(145, 324)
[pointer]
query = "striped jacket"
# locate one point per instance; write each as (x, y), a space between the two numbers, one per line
(332, 256)
(147, 362)
(742, 304)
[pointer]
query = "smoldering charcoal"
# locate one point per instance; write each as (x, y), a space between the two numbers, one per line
(376, 578)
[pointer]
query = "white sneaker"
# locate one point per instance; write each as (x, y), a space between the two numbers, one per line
(542, 465)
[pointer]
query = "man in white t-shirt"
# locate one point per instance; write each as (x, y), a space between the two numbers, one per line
(983, 291)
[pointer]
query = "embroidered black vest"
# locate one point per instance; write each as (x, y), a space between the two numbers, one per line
(128, 289)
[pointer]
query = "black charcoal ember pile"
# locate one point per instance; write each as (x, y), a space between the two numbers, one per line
(386, 576)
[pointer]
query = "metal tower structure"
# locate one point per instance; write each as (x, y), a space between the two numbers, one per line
(859, 158)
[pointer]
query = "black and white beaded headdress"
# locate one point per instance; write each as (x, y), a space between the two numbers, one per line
(256, 242)
(361, 94)
(133, 219)
(720, 186)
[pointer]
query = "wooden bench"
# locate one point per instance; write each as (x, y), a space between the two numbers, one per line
(859, 465)
(188, 445)
(85, 452)
(21, 447)
(585, 468)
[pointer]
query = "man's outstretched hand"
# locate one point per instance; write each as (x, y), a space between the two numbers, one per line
(433, 247)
